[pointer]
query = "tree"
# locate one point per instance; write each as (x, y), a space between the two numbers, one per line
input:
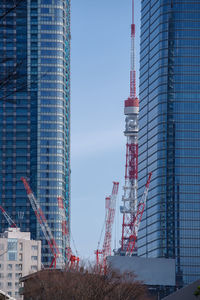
(67, 285)
(197, 292)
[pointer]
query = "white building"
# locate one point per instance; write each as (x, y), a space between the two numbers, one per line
(19, 256)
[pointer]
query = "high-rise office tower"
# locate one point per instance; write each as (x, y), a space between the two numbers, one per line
(35, 113)
(169, 137)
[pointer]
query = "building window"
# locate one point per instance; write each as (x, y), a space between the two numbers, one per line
(1, 285)
(16, 284)
(20, 256)
(20, 246)
(9, 275)
(33, 268)
(12, 249)
(34, 247)
(1, 266)
(12, 245)
(9, 284)
(10, 266)
(34, 257)
(18, 267)
(12, 256)
(10, 293)
(1, 275)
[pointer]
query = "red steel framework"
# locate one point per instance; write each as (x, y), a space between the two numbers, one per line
(109, 220)
(137, 219)
(44, 225)
(70, 261)
(131, 210)
(73, 260)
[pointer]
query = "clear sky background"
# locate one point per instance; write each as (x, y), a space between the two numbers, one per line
(100, 64)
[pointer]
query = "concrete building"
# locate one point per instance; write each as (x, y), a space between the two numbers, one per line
(35, 113)
(19, 256)
(169, 135)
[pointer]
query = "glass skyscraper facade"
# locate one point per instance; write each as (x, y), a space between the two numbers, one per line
(35, 113)
(169, 136)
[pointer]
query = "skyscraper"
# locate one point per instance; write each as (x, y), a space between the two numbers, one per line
(35, 112)
(169, 136)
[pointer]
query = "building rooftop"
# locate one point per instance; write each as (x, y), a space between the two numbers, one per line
(4, 296)
(15, 233)
(186, 293)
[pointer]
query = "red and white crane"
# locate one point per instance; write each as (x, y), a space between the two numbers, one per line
(109, 220)
(8, 218)
(72, 260)
(44, 225)
(134, 225)
(65, 230)
(131, 111)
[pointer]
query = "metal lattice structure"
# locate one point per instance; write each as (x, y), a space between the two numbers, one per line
(131, 111)
(109, 220)
(44, 225)
(8, 218)
(137, 219)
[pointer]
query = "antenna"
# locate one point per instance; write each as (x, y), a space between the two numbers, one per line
(132, 71)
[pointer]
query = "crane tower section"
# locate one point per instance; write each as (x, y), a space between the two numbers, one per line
(131, 111)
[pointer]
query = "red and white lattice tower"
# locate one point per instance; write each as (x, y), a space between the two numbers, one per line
(131, 111)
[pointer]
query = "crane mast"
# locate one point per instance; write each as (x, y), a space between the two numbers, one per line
(8, 218)
(138, 217)
(131, 111)
(73, 261)
(109, 220)
(44, 226)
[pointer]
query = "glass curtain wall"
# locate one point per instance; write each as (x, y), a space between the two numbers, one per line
(35, 114)
(169, 137)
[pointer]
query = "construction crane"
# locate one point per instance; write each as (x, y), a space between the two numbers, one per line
(44, 226)
(137, 219)
(73, 261)
(65, 231)
(131, 111)
(8, 218)
(109, 220)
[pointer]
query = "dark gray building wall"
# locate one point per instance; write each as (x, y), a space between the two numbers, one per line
(151, 271)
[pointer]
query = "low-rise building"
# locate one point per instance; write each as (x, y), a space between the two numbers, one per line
(19, 256)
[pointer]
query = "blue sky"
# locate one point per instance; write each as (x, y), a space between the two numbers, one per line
(100, 63)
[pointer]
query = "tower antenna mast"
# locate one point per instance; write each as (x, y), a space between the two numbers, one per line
(132, 71)
(131, 111)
